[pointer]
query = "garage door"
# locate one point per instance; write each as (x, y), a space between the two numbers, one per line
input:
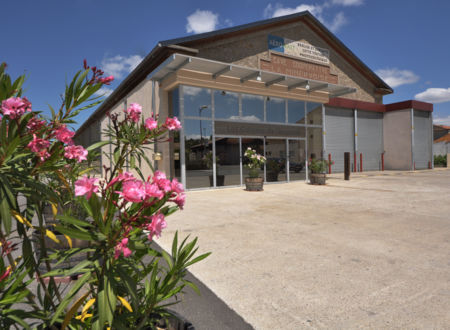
(370, 139)
(422, 139)
(339, 127)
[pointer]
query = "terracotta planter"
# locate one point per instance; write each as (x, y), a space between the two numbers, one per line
(254, 184)
(318, 178)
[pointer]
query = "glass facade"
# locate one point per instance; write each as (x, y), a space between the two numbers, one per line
(218, 126)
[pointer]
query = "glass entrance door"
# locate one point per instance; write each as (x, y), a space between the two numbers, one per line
(228, 161)
(256, 144)
(297, 160)
(276, 160)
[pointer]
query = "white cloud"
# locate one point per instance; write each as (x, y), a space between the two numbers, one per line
(338, 21)
(192, 91)
(119, 66)
(434, 95)
(278, 10)
(347, 2)
(442, 120)
(202, 21)
(104, 91)
(317, 10)
(395, 77)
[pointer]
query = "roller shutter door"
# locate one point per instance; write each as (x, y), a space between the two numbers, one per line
(422, 139)
(339, 127)
(370, 139)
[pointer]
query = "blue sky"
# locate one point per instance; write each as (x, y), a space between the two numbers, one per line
(405, 42)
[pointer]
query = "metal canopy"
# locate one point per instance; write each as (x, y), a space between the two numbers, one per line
(215, 68)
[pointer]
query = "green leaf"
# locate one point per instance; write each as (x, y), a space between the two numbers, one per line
(97, 145)
(79, 233)
(175, 245)
(73, 221)
(199, 258)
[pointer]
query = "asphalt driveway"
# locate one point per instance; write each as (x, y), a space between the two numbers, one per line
(372, 252)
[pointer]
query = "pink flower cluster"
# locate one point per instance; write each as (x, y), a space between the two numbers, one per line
(172, 124)
(86, 187)
(122, 248)
(75, 152)
(39, 146)
(64, 135)
(134, 112)
(155, 227)
(15, 107)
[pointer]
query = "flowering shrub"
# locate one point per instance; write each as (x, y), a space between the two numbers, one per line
(254, 162)
(319, 165)
(120, 283)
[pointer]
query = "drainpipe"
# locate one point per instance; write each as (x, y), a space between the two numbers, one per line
(356, 138)
(413, 162)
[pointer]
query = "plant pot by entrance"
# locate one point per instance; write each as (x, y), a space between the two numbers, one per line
(254, 184)
(220, 180)
(318, 178)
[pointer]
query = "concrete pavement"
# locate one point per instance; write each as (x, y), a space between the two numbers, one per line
(373, 252)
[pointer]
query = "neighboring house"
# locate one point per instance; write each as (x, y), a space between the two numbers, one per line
(439, 131)
(286, 87)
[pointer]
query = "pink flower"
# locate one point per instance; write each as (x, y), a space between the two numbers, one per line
(176, 186)
(86, 186)
(151, 124)
(156, 226)
(64, 135)
(39, 146)
(35, 124)
(152, 190)
(160, 179)
(15, 107)
(180, 200)
(133, 112)
(75, 152)
(133, 191)
(125, 176)
(106, 80)
(5, 274)
(172, 123)
(122, 247)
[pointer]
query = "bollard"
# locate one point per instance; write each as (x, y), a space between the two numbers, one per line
(382, 161)
(346, 166)
(360, 163)
(329, 163)
(355, 166)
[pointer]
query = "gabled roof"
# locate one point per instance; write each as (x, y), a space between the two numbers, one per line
(185, 45)
(305, 16)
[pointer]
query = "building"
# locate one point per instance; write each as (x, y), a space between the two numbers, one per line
(441, 140)
(286, 87)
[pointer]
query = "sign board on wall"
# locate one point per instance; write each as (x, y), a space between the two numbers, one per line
(299, 49)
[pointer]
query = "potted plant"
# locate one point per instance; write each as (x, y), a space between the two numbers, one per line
(208, 160)
(318, 169)
(273, 167)
(254, 162)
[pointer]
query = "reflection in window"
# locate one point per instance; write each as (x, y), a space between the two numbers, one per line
(174, 105)
(228, 170)
(276, 160)
(226, 105)
(198, 147)
(275, 110)
(197, 101)
(314, 113)
(296, 112)
(315, 142)
(297, 152)
(252, 107)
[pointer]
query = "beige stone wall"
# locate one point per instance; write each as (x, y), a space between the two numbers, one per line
(397, 140)
(246, 50)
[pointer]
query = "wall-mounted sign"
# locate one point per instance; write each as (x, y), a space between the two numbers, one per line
(299, 49)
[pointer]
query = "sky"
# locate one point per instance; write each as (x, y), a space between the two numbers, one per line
(404, 42)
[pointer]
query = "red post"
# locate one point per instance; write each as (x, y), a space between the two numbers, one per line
(355, 168)
(329, 163)
(414, 166)
(382, 161)
(429, 165)
(360, 163)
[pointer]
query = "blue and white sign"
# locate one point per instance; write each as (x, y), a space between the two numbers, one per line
(300, 49)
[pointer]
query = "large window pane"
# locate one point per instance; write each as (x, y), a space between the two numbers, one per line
(297, 158)
(296, 112)
(197, 101)
(275, 110)
(198, 147)
(226, 105)
(252, 107)
(174, 99)
(276, 160)
(315, 142)
(314, 113)
(228, 162)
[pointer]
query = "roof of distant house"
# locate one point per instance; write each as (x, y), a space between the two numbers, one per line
(445, 138)
(443, 126)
